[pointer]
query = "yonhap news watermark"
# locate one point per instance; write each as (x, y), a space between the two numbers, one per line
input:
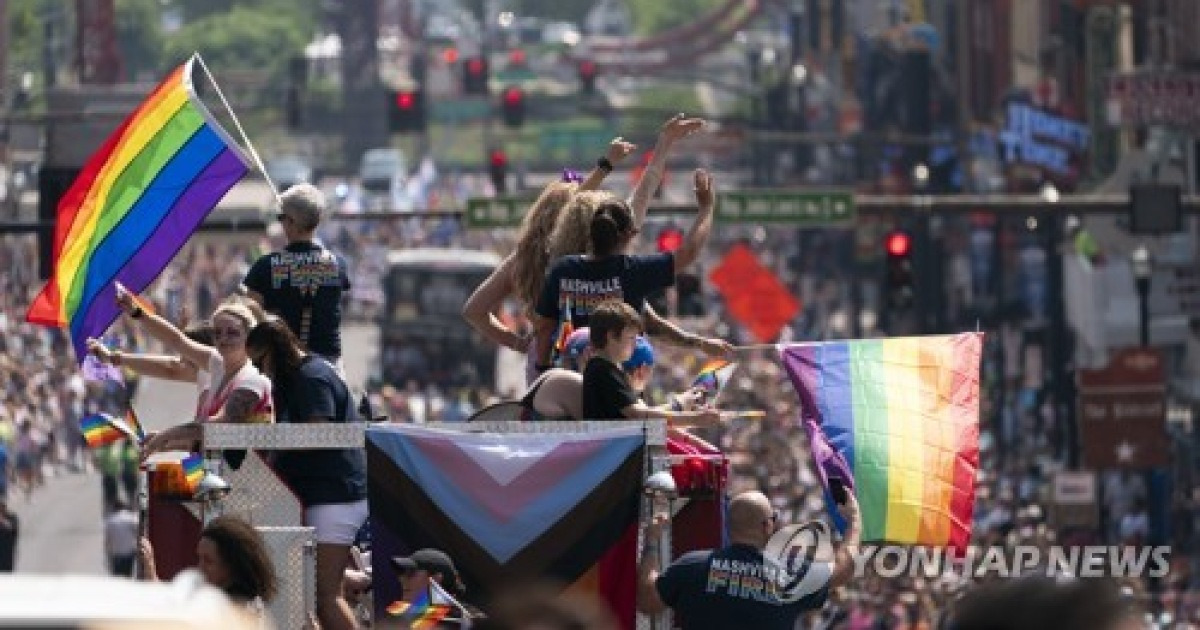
(1089, 561)
(802, 557)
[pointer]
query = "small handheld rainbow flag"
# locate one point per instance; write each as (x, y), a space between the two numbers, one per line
(422, 613)
(713, 377)
(93, 369)
(102, 429)
(564, 331)
(131, 419)
(904, 414)
(193, 470)
(134, 205)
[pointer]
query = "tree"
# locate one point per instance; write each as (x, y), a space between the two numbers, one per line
(140, 37)
(246, 38)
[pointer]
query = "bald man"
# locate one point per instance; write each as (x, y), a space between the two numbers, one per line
(735, 586)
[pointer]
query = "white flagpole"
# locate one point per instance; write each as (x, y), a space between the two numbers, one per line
(441, 592)
(238, 125)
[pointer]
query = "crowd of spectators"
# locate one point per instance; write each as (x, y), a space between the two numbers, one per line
(42, 396)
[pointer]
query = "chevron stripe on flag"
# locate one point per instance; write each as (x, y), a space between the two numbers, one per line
(561, 506)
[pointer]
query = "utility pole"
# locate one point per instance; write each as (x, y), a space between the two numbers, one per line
(486, 15)
(363, 115)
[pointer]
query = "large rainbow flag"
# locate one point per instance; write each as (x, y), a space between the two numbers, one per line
(134, 205)
(902, 415)
(511, 506)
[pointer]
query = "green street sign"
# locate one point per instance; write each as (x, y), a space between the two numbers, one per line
(497, 212)
(452, 111)
(778, 206)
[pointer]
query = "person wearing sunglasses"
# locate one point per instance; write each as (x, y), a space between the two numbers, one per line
(304, 282)
(231, 389)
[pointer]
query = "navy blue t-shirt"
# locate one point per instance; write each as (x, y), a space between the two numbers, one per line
(304, 278)
(576, 284)
(732, 587)
(324, 476)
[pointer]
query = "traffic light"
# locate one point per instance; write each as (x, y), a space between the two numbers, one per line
(587, 76)
(498, 170)
(516, 58)
(669, 239)
(406, 110)
(899, 283)
(475, 76)
(512, 102)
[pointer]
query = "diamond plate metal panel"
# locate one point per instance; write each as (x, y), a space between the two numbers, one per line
(292, 550)
(257, 495)
(219, 435)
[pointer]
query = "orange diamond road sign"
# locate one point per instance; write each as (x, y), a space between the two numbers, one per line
(754, 296)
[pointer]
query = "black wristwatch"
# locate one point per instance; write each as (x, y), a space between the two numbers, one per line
(604, 165)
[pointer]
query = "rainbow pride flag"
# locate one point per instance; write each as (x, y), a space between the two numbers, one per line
(193, 470)
(713, 377)
(102, 429)
(420, 613)
(134, 205)
(131, 419)
(903, 414)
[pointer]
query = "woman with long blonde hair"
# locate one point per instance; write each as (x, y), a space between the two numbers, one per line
(521, 273)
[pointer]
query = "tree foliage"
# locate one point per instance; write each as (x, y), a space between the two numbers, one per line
(245, 38)
(655, 16)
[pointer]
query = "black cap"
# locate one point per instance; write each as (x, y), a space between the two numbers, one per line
(431, 560)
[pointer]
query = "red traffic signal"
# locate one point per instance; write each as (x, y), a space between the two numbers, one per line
(516, 57)
(669, 239)
(475, 76)
(587, 75)
(513, 97)
(405, 100)
(513, 104)
(498, 158)
(898, 244)
(406, 111)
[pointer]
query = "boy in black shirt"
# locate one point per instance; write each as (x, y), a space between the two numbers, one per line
(607, 392)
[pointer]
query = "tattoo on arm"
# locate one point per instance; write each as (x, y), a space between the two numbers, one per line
(239, 405)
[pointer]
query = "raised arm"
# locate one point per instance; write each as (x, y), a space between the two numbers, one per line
(164, 331)
(664, 329)
(697, 235)
(480, 309)
(159, 366)
(618, 150)
(678, 126)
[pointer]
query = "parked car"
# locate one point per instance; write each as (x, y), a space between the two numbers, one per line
(379, 168)
(288, 170)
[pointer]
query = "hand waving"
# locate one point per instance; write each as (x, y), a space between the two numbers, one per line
(679, 126)
(619, 149)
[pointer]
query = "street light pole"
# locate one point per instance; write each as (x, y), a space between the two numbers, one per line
(1142, 269)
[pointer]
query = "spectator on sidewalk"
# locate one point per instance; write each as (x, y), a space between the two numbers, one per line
(121, 539)
(9, 532)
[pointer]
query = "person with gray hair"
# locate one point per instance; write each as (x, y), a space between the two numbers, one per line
(304, 282)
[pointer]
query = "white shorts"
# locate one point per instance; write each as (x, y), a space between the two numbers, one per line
(336, 523)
